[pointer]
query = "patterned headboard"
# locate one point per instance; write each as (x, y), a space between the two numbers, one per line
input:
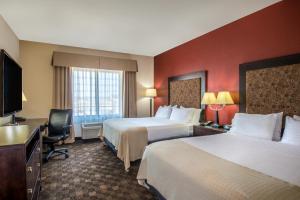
(271, 85)
(187, 90)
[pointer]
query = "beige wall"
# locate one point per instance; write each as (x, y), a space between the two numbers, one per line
(35, 59)
(10, 43)
(8, 40)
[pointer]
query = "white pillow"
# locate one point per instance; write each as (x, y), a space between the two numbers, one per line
(163, 112)
(254, 125)
(195, 115)
(291, 133)
(196, 118)
(278, 126)
(296, 117)
(181, 115)
(191, 113)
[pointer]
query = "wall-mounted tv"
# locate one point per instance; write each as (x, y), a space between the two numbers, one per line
(10, 85)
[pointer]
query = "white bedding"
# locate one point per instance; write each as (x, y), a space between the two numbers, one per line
(157, 128)
(268, 157)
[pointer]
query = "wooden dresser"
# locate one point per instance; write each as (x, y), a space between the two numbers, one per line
(20, 161)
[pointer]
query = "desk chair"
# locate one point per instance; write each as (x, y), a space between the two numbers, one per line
(59, 127)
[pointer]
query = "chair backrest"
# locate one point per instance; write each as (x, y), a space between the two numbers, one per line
(58, 119)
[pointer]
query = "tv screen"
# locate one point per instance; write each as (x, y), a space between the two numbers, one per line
(12, 85)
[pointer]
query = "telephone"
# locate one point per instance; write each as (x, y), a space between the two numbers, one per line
(206, 123)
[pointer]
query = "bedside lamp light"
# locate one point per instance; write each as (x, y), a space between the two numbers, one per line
(224, 98)
(217, 104)
(151, 93)
(209, 98)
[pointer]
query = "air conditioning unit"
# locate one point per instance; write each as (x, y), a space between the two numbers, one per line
(91, 130)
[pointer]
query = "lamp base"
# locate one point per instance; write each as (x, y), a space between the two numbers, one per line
(151, 102)
(13, 120)
(215, 125)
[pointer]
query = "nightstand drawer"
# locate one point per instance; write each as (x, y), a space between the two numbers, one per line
(202, 131)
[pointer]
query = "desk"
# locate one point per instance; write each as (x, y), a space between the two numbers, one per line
(20, 160)
(39, 122)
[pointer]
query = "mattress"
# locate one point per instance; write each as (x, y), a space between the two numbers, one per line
(130, 135)
(224, 166)
(157, 129)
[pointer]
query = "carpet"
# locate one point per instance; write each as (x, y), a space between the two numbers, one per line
(91, 172)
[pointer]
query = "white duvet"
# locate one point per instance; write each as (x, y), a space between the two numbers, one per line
(268, 157)
(157, 128)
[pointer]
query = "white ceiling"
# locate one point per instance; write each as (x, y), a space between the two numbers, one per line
(145, 27)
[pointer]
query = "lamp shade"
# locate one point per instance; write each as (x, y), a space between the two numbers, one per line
(24, 97)
(209, 98)
(224, 98)
(151, 92)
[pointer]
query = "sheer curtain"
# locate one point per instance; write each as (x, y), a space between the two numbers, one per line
(97, 94)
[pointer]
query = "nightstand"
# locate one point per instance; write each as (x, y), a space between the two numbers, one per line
(206, 130)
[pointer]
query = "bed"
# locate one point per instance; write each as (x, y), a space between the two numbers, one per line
(229, 165)
(215, 167)
(128, 137)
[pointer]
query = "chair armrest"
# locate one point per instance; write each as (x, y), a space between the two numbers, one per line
(46, 124)
(66, 128)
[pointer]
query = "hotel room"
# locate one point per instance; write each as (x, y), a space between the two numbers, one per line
(167, 100)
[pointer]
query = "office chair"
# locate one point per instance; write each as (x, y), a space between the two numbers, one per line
(59, 127)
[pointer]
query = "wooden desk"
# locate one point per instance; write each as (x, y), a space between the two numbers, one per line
(35, 122)
(20, 160)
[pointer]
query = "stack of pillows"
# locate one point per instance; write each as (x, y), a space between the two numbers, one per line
(181, 114)
(267, 127)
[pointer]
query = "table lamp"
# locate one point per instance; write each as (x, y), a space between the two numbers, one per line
(151, 93)
(217, 104)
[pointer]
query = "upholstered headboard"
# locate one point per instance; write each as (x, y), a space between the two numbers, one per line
(271, 85)
(187, 90)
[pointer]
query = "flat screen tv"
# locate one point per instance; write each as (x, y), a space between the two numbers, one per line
(10, 85)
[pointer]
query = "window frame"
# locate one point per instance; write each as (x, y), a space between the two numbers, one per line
(95, 96)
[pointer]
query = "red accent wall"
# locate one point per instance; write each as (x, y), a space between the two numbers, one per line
(270, 32)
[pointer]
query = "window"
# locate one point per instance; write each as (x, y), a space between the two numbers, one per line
(97, 94)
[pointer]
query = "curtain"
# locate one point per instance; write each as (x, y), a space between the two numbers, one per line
(63, 93)
(97, 94)
(130, 105)
(92, 61)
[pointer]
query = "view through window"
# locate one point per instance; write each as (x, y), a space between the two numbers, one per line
(97, 94)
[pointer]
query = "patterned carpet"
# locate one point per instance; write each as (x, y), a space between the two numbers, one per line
(91, 172)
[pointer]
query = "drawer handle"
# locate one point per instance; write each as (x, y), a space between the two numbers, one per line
(38, 149)
(29, 191)
(29, 169)
(38, 164)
